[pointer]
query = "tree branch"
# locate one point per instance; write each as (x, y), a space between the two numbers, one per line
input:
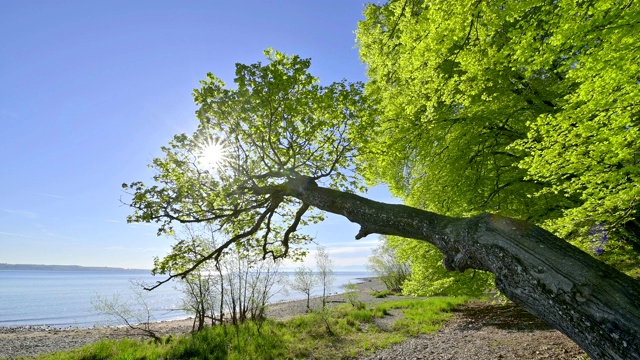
(591, 302)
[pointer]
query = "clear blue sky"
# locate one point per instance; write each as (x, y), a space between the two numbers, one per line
(90, 90)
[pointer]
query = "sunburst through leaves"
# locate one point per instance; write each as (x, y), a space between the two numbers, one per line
(212, 154)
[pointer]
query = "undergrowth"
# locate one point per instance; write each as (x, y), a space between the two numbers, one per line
(342, 332)
(381, 294)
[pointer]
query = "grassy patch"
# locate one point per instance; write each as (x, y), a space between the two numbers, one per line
(342, 332)
(381, 294)
(423, 317)
(124, 349)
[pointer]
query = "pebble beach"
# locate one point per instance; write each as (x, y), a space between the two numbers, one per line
(478, 331)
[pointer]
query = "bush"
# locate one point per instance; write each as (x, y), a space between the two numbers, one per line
(381, 294)
(385, 264)
(352, 295)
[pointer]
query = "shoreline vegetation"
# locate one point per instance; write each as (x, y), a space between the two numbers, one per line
(479, 330)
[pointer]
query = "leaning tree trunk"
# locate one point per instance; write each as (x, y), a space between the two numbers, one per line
(592, 303)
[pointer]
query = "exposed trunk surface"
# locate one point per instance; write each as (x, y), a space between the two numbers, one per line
(592, 303)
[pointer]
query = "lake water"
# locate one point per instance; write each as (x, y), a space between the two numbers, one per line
(63, 298)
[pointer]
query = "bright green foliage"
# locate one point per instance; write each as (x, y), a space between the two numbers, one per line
(428, 276)
(590, 149)
(450, 109)
(525, 108)
(275, 124)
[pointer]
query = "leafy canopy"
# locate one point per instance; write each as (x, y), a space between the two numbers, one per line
(526, 108)
(276, 124)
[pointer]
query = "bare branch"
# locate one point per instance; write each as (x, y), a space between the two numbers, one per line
(294, 226)
(215, 254)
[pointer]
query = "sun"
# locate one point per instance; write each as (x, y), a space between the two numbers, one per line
(212, 154)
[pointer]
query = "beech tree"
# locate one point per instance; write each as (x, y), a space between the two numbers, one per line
(529, 109)
(273, 151)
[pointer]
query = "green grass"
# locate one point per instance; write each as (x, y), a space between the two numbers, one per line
(342, 332)
(423, 317)
(381, 294)
(124, 349)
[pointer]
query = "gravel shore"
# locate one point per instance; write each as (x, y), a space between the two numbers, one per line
(487, 331)
(478, 331)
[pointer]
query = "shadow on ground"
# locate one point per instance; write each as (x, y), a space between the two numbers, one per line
(507, 316)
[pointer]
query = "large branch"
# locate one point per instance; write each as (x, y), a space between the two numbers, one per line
(592, 303)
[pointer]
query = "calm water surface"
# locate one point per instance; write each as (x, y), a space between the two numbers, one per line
(63, 298)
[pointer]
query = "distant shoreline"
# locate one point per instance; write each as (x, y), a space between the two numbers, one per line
(43, 267)
(4, 266)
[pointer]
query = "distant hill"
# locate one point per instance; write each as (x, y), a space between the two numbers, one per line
(62, 268)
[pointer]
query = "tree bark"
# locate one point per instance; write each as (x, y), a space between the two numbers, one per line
(592, 303)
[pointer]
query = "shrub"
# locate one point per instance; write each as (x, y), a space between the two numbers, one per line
(385, 264)
(381, 294)
(352, 295)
